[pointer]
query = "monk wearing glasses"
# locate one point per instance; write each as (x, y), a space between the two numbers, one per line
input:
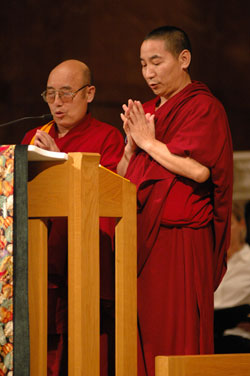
(68, 93)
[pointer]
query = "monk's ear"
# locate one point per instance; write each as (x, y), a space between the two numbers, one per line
(185, 59)
(90, 93)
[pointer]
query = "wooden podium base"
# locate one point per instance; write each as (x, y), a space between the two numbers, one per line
(83, 191)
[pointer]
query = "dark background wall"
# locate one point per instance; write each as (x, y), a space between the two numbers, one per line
(35, 36)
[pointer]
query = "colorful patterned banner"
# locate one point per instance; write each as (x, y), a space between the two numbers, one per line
(14, 319)
(6, 259)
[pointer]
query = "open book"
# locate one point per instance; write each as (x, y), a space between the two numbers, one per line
(37, 154)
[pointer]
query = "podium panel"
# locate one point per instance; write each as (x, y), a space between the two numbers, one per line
(82, 190)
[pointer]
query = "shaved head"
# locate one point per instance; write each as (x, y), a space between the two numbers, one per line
(76, 68)
(176, 40)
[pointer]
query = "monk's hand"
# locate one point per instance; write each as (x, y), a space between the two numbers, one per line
(44, 141)
(141, 125)
(131, 146)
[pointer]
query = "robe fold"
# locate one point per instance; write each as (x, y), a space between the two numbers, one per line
(90, 136)
(183, 226)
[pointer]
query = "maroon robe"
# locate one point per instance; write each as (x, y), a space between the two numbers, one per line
(95, 137)
(183, 227)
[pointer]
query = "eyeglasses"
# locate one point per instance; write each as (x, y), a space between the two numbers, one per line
(65, 95)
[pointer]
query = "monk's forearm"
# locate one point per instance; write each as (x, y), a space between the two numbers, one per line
(184, 166)
(124, 162)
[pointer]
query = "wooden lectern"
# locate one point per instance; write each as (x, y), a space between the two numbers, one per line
(83, 191)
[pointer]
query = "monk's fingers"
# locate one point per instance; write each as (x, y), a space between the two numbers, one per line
(38, 140)
(150, 118)
(41, 143)
(123, 117)
(137, 110)
(130, 104)
(125, 107)
(126, 111)
(137, 116)
(133, 108)
(125, 123)
(43, 136)
(126, 120)
(151, 124)
(139, 107)
(45, 141)
(38, 143)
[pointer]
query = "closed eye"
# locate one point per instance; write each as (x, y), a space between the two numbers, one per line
(156, 62)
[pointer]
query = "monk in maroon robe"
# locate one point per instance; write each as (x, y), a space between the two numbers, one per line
(73, 129)
(179, 155)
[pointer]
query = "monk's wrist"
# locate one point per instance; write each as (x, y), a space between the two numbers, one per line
(128, 152)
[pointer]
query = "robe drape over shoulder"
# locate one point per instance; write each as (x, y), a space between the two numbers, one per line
(183, 226)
